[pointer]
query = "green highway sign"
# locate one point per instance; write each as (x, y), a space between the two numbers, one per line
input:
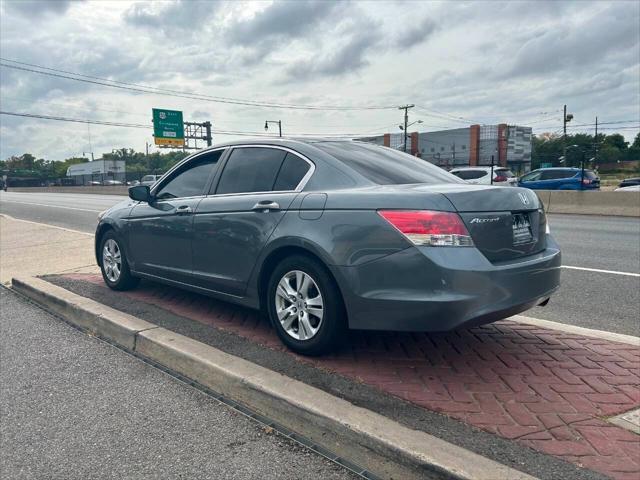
(168, 127)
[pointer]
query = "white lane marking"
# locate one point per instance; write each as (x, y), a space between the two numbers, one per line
(54, 206)
(587, 332)
(45, 225)
(598, 270)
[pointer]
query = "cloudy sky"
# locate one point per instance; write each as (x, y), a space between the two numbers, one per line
(459, 63)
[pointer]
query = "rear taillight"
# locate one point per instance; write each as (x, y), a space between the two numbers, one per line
(425, 227)
(500, 178)
(586, 181)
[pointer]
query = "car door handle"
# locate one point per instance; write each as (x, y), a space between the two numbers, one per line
(266, 205)
(183, 210)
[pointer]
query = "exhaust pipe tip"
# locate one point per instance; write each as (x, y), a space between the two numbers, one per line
(544, 302)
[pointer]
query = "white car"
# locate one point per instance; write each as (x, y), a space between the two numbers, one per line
(502, 176)
(630, 188)
(149, 179)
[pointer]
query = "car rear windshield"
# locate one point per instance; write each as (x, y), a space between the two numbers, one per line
(385, 166)
(505, 172)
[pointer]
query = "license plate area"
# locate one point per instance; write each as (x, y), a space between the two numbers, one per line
(521, 229)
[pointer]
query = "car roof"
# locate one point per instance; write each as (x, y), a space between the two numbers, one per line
(560, 168)
(282, 141)
(480, 167)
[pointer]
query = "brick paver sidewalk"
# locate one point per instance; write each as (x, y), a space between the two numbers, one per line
(546, 389)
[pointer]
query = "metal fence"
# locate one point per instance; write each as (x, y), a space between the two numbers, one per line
(97, 179)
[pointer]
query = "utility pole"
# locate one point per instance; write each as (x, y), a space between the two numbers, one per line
(595, 145)
(566, 118)
(406, 123)
(207, 126)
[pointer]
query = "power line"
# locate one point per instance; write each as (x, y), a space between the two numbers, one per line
(138, 125)
(57, 73)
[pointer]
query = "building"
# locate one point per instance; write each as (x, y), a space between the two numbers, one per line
(97, 171)
(508, 145)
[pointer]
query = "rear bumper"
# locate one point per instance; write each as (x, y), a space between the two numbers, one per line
(440, 289)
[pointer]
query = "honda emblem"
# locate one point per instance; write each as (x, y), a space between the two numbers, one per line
(523, 198)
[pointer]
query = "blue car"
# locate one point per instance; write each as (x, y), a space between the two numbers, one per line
(562, 178)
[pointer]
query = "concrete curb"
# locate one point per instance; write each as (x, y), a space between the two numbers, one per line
(575, 330)
(382, 446)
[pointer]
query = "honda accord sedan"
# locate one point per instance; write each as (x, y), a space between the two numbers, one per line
(325, 236)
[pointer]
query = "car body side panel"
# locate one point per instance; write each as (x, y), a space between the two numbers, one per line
(439, 289)
(228, 236)
(159, 238)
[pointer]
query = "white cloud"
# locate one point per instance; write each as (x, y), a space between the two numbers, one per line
(484, 61)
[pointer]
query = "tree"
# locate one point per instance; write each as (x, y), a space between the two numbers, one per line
(616, 140)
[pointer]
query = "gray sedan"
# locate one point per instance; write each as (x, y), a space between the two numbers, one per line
(326, 235)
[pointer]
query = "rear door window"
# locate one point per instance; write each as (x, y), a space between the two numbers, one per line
(291, 173)
(251, 169)
(556, 174)
(190, 179)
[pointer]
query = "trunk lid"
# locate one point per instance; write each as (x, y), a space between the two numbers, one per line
(505, 222)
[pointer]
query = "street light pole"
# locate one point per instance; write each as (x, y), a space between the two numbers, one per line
(279, 122)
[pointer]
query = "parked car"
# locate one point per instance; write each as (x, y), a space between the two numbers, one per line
(112, 182)
(560, 178)
(628, 182)
(132, 183)
(629, 188)
(482, 176)
(93, 183)
(328, 235)
(149, 179)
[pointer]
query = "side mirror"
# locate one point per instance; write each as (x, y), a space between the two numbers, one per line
(140, 193)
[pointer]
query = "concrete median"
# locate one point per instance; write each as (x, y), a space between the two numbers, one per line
(624, 204)
(382, 446)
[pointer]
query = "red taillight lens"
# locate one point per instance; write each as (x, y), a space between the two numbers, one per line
(425, 227)
(586, 181)
(500, 178)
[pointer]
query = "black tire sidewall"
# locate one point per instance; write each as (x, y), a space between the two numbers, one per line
(333, 322)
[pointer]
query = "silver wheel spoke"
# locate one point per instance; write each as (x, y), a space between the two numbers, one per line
(284, 289)
(304, 287)
(304, 327)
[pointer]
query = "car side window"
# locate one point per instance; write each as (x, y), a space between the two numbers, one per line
(251, 169)
(291, 173)
(191, 179)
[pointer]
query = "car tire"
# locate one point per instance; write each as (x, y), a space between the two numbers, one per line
(114, 264)
(308, 328)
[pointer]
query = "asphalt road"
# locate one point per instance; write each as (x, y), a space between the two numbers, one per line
(74, 407)
(601, 300)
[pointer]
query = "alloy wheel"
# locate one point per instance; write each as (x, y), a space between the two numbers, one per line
(111, 260)
(299, 305)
